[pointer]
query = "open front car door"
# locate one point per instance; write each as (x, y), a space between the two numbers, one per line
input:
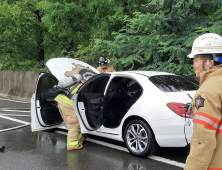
(91, 102)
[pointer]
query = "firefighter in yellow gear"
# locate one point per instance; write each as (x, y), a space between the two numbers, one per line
(206, 142)
(103, 65)
(78, 74)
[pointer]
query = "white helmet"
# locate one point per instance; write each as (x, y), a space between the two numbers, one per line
(208, 43)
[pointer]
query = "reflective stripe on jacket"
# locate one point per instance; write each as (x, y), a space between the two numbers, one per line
(65, 100)
(204, 119)
(76, 89)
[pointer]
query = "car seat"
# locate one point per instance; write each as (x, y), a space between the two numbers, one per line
(133, 99)
(115, 103)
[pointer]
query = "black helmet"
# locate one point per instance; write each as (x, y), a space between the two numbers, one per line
(103, 60)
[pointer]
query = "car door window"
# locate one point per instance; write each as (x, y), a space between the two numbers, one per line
(96, 85)
(122, 93)
(174, 83)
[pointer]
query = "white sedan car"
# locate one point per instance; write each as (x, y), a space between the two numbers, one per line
(142, 108)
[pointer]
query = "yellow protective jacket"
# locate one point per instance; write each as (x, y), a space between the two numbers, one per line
(206, 142)
(65, 100)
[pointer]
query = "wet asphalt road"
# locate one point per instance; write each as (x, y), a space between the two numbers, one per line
(28, 150)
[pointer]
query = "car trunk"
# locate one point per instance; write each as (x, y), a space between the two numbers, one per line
(183, 95)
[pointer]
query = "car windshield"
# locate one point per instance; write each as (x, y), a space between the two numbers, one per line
(174, 83)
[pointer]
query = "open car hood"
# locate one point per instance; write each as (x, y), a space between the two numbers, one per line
(58, 66)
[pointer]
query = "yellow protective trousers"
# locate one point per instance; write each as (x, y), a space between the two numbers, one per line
(74, 138)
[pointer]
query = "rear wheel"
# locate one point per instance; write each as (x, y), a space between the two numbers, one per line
(139, 138)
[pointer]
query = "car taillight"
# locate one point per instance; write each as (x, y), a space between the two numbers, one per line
(178, 108)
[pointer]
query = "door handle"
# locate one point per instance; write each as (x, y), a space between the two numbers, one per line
(96, 107)
(97, 100)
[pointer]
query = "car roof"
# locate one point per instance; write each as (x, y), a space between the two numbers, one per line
(145, 73)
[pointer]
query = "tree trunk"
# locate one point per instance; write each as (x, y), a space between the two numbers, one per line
(41, 52)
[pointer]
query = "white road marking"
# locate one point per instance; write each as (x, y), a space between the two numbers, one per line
(153, 157)
(16, 115)
(2, 108)
(167, 161)
(12, 119)
(22, 111)
(61, 132)
(15, 120)
(14, 100)
(13, 128)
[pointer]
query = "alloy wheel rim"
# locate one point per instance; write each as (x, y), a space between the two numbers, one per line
(137, 138)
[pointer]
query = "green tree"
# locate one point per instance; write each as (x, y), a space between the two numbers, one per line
(21, 32)
(162, 38)
(135, 34)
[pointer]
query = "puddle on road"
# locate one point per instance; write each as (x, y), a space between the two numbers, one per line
(26, 140)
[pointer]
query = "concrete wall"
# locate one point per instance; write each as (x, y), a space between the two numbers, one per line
(17, 84)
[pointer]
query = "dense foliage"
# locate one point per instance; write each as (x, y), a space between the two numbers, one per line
(134, 34)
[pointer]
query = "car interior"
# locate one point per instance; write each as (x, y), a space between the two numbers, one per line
(121, 94)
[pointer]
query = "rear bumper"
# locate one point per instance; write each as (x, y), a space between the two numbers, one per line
(171, 132)
(171, 140)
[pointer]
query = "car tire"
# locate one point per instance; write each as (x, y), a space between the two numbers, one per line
(139, 139)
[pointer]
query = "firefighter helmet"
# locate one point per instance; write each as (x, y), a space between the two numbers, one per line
(103, 60)
(209, 43)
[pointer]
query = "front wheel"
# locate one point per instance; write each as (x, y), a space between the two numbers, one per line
(139, 138)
